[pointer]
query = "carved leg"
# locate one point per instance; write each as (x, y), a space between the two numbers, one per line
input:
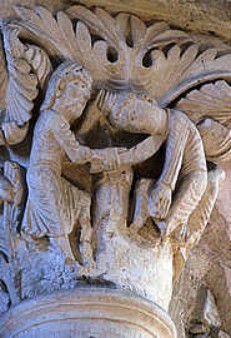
(190, 191)
(62, 243)
(12, 192)
(141, 210)
(76, 205)
(200, 216)
(111, 206)
(86, 238)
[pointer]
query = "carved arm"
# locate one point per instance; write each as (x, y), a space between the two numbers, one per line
(115, 158)
(142, 151)
(176, 142)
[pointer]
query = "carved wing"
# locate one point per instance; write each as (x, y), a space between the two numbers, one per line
(27, 68)
(210, 108)
(24, 69)
(212, 100)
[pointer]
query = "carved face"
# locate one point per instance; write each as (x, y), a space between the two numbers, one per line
(75, 95)
(138, 115)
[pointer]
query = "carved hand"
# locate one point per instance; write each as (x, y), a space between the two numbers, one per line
(106, 159)
(142, 151)
(105, 100)
(160, 201)
(96, 165)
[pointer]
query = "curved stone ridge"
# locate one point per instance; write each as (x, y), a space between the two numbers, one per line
(87, 312)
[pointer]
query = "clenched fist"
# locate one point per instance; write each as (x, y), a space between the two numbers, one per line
(160, 201)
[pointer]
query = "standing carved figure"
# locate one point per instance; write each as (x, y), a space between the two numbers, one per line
(54, 204)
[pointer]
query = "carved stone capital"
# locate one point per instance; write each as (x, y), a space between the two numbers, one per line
(88, 312)
(114, 127)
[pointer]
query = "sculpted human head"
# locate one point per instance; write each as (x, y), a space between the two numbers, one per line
(68, 90)
(136, 113)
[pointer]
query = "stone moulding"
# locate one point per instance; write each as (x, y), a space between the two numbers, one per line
(87, 312)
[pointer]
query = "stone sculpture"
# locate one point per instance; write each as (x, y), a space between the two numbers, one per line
(111, 134)
(53, 209)
(184, 153)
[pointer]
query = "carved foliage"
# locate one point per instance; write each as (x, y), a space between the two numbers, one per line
(128, 52)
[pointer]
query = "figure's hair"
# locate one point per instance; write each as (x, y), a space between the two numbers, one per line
(111, 102)
(65, 73)
(108, 101)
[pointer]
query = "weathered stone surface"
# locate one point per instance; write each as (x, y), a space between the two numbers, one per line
(88, 312)
(207, 16)
(208, 267)
(114, 133)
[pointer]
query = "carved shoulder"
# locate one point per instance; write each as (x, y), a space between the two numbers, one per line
(51, 119)
(179, 120)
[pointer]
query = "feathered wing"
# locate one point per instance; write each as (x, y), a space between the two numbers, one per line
(27, 67)
(210, 108)
(212, 100)
(24, 69)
